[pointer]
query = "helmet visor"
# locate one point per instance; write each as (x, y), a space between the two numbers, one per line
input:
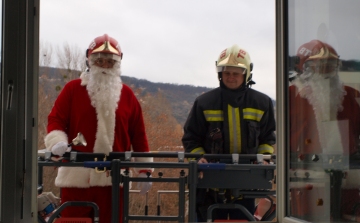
(221, 69)
(101, 59)
(95, 56)
(322, 65)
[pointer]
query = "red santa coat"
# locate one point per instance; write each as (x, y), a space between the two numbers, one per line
(304, 141)
(73, 113)
(304, 136)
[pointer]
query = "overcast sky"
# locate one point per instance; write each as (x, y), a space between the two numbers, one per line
(170, 41)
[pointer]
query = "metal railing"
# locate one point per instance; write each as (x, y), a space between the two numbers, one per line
(261, 176)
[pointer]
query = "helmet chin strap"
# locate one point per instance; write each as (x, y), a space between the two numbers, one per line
(250, 82)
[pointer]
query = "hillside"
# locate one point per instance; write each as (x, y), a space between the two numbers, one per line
(180, 97)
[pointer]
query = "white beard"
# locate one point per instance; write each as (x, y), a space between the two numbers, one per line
(104, 88)
(325, 93)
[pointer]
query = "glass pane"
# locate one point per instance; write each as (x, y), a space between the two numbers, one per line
(173, 42)
(1, 83)
(1, 2)
(324, 79)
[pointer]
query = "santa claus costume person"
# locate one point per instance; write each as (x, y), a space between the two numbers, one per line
(109, 116)
(324, 122)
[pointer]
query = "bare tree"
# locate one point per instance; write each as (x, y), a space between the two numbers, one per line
(43, 110)
(46, 97)
(71, 59)
(45, 54)
(71, 62)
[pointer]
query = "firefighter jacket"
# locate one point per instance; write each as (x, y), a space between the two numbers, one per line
(230, 121)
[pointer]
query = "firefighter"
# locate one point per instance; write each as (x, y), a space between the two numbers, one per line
(109, 116)
(324, 123)
(232, 118)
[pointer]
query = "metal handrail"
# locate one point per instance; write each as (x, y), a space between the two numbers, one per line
(118, 161)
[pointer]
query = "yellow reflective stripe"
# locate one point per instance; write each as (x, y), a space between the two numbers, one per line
(253, 114)
(234, 129)
(265, 148)
(213, 115)
(198, 150)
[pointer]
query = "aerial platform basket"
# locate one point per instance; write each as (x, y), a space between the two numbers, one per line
(75, 220)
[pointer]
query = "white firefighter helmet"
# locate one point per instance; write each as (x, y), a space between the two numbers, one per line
(235, 56)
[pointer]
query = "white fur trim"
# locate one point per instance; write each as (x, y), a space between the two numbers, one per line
(299, 85)
(82, 177)
(99, 179)
(143, 159)
(73, 177)
(84, 78)
(101, 88)
(54, 137)
(105, 132)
